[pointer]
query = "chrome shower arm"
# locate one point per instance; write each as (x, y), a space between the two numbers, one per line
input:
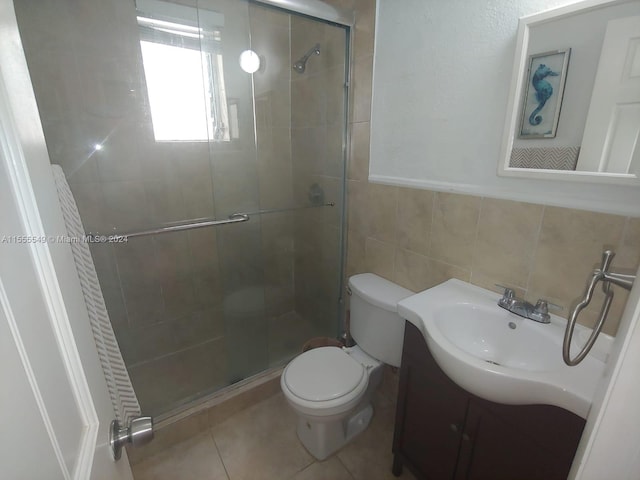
(301, 64)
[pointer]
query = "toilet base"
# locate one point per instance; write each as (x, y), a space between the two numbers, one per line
(322, 438)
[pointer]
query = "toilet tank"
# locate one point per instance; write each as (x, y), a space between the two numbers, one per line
(375, 323)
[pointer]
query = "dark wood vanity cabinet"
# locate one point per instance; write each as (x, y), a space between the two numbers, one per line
(444, 432)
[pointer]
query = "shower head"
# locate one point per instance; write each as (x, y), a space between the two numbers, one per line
(301, 64)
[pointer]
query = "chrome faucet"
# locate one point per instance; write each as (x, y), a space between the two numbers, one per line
(538, 312)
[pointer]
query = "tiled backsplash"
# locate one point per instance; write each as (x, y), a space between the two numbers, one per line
(419, 238)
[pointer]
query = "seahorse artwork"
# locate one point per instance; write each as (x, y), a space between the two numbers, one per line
(544, 90)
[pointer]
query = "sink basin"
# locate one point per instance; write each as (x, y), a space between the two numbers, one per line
(500, 356)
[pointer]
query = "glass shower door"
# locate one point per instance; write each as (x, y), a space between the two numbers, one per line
(155, 123)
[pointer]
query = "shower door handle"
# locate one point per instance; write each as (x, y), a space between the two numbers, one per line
(139, 432)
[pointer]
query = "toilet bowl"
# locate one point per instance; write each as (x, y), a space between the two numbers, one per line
(330, 388)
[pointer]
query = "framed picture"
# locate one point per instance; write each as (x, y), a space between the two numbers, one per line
(542, 100)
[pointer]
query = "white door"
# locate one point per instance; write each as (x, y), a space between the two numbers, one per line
(55, 409)
(610, 140)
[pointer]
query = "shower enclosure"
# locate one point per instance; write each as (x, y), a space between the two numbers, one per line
(146, 106)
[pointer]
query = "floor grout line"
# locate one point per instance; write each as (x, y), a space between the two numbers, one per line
(215, 444)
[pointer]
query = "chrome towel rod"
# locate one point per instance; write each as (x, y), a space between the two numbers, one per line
(233, 218)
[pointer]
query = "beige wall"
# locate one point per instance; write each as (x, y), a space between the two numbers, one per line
(419, 238)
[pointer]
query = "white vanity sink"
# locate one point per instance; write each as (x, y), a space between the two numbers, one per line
(500, 356)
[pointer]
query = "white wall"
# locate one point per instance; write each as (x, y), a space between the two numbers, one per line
(441, 79)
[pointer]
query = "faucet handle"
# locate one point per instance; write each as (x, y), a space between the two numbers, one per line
(508, 297)
(540, 312)
(508, 291)
(543, 305)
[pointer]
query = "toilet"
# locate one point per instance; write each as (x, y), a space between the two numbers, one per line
(330, 388)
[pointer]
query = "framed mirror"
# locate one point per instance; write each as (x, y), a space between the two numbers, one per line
(574, 101)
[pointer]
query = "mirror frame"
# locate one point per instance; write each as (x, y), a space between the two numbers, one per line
(515, 94)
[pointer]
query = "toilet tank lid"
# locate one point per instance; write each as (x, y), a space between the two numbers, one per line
(378, 291)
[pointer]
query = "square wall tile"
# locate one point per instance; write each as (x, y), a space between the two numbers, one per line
(418, 273)
(415, 212)
(454, 228)
(506, 243)
(379, 258)
(570, 246)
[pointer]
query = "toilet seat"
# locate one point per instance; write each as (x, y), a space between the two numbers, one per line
(324, 381)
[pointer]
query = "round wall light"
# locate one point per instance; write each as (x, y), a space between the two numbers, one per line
(249, 61)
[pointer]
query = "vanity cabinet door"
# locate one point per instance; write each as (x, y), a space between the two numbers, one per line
(443, 432)
(527, 442)
(430, 414)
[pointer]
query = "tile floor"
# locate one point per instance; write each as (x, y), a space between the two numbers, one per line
(260, 443)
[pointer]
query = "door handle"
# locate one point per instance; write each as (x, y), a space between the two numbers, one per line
(138, 432)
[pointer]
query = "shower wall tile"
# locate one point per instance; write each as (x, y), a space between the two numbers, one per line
(197, 194)
(333, 193)
(281, 106)
(239, 190)
(125, 205)
(207, 286)
(179, 296)
(144, 303)
(203, 245)
(168, 381)
(114, 300)
(165, 201)
(266, 15)
(83, 170)
(305, 33)
(334, 153)
(248, 353)
(274, 148)
(334, 90)
(276, 188)
(173, 258)
(241, 263)
(136, 261)
(271, 41)
(90, 203)
(287, 335)
(332, 47)
(308, 147)
(198, 327)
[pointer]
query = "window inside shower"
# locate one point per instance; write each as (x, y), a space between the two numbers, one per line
(180, 55)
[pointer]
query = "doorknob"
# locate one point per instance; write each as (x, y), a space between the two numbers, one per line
(139, 432)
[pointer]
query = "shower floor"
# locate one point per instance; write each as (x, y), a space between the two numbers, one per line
(165, 383)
